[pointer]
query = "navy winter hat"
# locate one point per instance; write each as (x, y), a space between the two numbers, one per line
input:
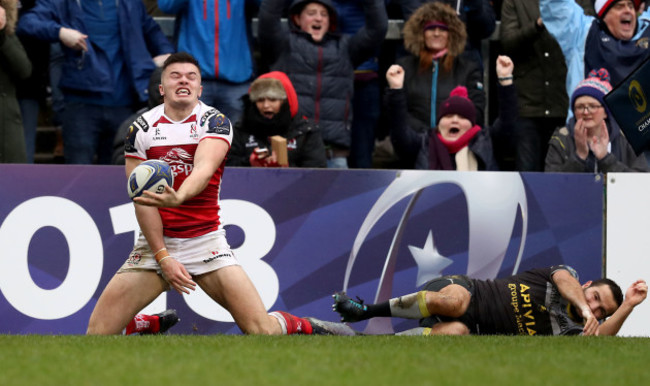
(458, 103)
(596, 85)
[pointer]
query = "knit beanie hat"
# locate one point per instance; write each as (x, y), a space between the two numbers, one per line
(602, 6)
(596, 85)
(266, 88)
(458, 103)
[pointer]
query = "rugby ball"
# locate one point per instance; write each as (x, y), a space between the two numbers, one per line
(151, 175)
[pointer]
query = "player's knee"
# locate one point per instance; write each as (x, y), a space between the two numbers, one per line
(260, 327)
(451, 302)
(257, 330)
(96, 329)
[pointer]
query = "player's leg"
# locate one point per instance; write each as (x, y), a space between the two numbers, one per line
(447, 296)
(125, 295)
(232, 288)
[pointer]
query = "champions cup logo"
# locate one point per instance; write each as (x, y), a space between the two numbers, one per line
(495, 201)
(637, 96)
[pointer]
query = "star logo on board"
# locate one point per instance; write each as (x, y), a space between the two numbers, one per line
(430, 262)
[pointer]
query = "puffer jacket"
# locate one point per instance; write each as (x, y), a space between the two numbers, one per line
(435, 82)
(321, 72)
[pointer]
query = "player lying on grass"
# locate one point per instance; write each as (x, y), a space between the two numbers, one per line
(183, 243)
(545, 301)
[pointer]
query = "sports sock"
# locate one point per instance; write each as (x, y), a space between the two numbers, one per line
(292, 324)
(143, 324)
(411, 306)
(416, 331)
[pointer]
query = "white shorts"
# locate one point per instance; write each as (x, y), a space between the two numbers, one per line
(199, 255)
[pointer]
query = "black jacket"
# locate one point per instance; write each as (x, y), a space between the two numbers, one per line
(305, 146)
(412, 146)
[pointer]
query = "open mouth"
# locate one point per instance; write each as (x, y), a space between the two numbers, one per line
(454, 131)
(626, 21)
(183, 91)
(267, 115)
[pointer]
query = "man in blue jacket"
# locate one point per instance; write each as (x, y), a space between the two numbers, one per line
(616, 39)
(111, 48)
(216, 34)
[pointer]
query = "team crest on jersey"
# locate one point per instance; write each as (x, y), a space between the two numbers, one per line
(642, 43)
(194, 134)
(134, 259)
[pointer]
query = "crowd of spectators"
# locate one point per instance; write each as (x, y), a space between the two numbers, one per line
(322, 75)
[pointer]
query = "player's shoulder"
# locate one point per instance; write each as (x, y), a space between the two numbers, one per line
(149, 118)
(206, 112)
(214, 121)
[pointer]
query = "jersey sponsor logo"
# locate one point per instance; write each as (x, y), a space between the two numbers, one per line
(523, 311)
(207, 115)
(141, 123)
(180, 161)
(158, 136)
(217, 255)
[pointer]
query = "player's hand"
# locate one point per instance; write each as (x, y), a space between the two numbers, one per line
(591, 323)
(395, 76)
(637, 293)
(177, 276)
(167, 199)
(73, 39)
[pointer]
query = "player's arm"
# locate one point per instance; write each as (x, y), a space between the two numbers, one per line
(633, 297)
(151, 226)
(208, 157)
(572, 291)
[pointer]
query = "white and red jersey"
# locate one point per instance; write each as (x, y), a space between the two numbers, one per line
(153, 135)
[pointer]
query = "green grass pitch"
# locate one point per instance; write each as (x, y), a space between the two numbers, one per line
(322, 360)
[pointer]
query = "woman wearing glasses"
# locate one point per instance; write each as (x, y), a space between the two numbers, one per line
(591, 141)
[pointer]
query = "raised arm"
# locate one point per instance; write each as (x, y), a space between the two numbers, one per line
(272, 35)
(369, 38)
(405, 140)
(572, 291)
(633, 297)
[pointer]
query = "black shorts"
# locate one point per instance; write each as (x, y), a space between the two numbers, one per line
(436, 285)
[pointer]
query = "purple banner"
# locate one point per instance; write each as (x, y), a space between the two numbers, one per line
(300, 234)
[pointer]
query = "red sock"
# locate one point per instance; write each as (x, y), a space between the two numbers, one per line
(295, 325)
(143, 324)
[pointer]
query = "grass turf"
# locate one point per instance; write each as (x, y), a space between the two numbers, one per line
(322, 360)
